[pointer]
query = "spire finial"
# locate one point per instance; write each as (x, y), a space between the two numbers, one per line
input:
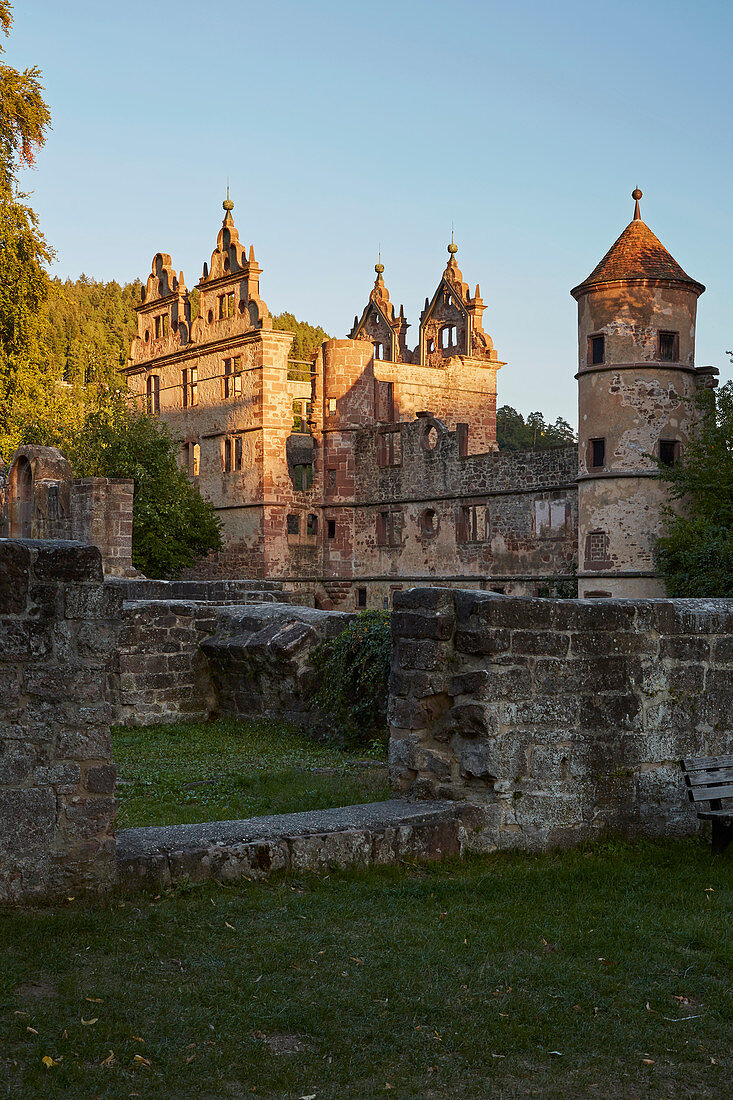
(452, 247)
(379, 266)
(228, 205)
(636, 195)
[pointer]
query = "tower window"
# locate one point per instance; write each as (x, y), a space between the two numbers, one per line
(361, 597)
(596, 454)
(669, 343)
(669, 451)
(596, 349)
(331, 524)
(293, 524)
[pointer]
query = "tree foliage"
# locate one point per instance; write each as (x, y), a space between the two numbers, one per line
(24, 120)
(308, 338)
(514, 433)
(351, 678)
(88, 327)
(173, 526)
(695, 555)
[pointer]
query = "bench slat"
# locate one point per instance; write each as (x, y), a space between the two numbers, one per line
(706, 763)
(705, 794)
(716, 778)
(714, 814)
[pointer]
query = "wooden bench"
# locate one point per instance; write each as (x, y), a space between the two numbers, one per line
(710, 779)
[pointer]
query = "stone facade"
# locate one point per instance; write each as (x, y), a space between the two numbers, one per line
(558, 718)
(57, 629)
(41, 499)
(297, 457)
(300, 459)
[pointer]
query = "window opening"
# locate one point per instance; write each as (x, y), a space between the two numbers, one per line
(227, 456)
(361, 597)
(668, 346)
(303, 476)
(153, 402)
(293, 524)
(597, 349)
(669, 451)
(331, 527)
(596, 453)
(311, 525)
(302, 411)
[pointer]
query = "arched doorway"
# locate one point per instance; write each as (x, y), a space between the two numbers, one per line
(21, 499)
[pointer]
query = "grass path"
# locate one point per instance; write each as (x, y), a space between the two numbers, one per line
(603, 972)
(226, 770)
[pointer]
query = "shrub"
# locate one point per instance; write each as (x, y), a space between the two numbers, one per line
(351, 679)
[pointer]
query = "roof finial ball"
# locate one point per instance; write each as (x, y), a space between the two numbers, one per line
(636, 195)
(227, 204)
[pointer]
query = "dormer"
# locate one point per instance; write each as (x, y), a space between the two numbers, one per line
(451, 322)
(378, 323)
(163, 315)
(229, 287)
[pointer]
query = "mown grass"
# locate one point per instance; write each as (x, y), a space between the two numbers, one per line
(230, 769)
(604, 972)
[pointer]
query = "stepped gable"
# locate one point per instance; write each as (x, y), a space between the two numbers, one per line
(637, 255)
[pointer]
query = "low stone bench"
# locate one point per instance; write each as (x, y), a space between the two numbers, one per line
(349, 836)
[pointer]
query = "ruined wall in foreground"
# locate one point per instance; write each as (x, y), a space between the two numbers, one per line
(558, 718)
(57, 629)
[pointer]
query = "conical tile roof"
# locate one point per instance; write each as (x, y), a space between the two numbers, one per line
(637, 254)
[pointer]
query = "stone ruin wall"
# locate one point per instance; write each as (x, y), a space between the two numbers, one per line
(525, 506)
(558, 719)
(58, 624)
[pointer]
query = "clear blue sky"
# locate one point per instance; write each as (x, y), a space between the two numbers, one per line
(343, 126)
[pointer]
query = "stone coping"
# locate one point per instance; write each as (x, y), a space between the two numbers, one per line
(168, 839)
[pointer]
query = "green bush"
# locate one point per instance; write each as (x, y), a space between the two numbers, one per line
(351, 679)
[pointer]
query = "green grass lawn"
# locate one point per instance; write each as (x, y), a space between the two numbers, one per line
(600, 972)
(226, 770)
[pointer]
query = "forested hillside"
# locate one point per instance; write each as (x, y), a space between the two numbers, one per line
(87, 327)
(514, 433)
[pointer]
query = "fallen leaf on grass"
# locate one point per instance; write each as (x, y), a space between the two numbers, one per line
(48, 1061)
(90, 1022)
(95, 1000)
(140, 1060)
(32, 1030)
(226, 922)
(109, 1060)
(647, 1061)
(557, 1053)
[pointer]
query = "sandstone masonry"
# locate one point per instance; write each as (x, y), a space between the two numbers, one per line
(57, 630)
(559, 719)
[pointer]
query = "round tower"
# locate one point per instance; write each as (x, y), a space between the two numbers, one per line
(636, 372)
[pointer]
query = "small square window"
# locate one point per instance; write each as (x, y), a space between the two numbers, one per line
(293, 524)
(669, 451)
(668, 347)
(361, 597)
(596, 454)
(597, 349)
(331, 528)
